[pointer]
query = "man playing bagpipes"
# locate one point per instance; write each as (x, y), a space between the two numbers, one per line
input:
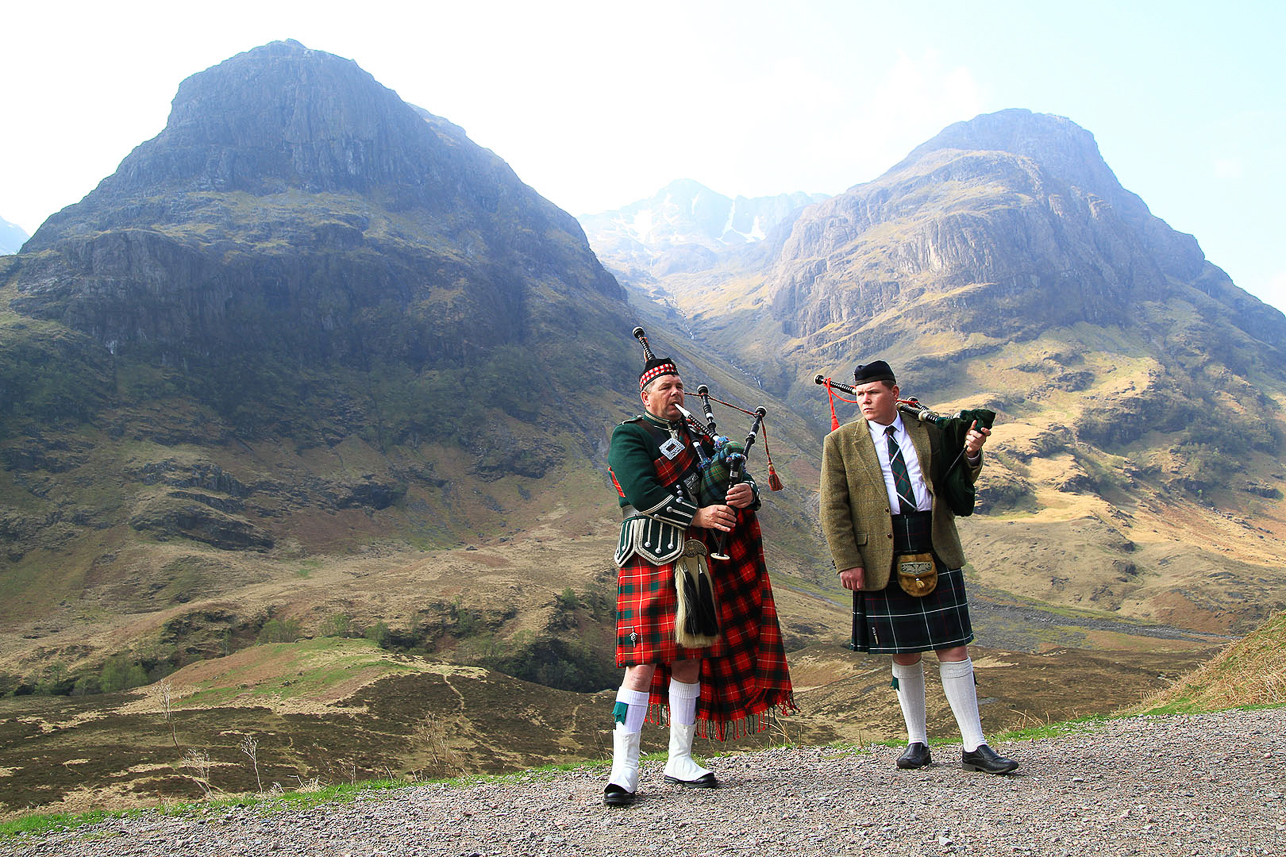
(696, 636)
(890, 492)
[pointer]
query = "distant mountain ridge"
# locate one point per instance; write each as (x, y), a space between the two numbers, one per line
(1141, 394)
(12, 237)
(685, 224)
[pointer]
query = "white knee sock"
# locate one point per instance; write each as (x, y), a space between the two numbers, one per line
(683, 702)
(683, 717)
(910, 687)
(635, 704)
(958, 685)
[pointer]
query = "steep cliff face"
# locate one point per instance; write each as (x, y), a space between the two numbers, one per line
(305, 318)
(294, 206)
(1005, 225)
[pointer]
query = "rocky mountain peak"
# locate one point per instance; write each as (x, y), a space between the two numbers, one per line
(1062, 148)
(294, 205)
(1070, 154)
(12, 237)
(1017, 217)
(685, 225)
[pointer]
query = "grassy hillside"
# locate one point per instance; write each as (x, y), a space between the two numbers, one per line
(1251, 671)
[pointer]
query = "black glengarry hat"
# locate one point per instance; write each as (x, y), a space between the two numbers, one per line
(878, 370)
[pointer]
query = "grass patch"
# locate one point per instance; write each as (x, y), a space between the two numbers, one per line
(43, 824)
(1249, 672)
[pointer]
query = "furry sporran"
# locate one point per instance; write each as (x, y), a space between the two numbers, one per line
(696, 622)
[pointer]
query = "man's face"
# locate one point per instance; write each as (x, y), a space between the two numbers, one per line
(878, 403)
(661, 396)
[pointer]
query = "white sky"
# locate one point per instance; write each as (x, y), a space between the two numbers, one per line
(599, 104)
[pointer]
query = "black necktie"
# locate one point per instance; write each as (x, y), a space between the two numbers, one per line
(901, 477)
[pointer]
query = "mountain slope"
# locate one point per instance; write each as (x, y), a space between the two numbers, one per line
(305, 320)
(1140, 392)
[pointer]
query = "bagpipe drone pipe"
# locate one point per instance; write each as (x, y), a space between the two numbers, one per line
(948, 441)
(725, 467)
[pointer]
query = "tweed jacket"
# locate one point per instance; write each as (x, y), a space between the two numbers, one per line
(855, 513)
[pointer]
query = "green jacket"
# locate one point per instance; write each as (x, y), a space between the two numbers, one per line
(659, 510)
(855, 513)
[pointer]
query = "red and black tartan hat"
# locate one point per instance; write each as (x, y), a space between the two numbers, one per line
(655, 368)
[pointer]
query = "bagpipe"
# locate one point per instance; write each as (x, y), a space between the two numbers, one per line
(720, 470)
(956, 488)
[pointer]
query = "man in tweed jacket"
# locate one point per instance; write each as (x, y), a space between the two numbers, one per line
(880, 507)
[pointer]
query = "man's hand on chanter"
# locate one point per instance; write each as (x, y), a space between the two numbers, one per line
(716, 517)
(740, 495)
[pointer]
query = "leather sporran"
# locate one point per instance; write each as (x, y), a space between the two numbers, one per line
(696, 620)
(917, 574)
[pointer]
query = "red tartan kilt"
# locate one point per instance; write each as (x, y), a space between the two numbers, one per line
(646, 603)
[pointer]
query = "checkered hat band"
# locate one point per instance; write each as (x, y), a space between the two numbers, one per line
(656, 372)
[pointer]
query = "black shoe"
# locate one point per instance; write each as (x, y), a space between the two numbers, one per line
(986, 759)
(705, 781)
(915, 756)
(614, 795)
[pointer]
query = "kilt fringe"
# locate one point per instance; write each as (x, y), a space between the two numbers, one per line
(658, 714)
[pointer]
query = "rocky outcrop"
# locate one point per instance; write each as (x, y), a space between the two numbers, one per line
(1005, 225)
(295, 208)
(189, 516)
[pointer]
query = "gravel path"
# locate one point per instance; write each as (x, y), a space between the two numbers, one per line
(1210, 784)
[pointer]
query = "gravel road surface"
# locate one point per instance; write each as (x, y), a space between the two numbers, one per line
(1203, 785)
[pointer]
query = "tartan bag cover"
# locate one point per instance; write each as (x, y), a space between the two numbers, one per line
(746, 680)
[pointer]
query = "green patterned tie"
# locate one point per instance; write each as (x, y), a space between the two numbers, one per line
(901, 478)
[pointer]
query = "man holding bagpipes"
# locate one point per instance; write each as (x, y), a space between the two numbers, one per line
(698, 636)
(890, 491)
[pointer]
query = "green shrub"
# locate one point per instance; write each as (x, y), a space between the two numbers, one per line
(338, 625)
(121, 673)
(379, 634)
(280, 631)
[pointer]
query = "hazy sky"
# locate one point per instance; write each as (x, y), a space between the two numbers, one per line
(598, 104)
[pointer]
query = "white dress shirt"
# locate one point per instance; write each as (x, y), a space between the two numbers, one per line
(923, 500)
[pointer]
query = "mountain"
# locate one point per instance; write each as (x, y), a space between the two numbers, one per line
(12, 237)
(307, 321)
(312, 366)
(684, 225)
(1135, 466)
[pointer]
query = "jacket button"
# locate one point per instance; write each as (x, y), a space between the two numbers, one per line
(890, 535)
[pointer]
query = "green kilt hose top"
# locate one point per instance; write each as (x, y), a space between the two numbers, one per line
(655, 469)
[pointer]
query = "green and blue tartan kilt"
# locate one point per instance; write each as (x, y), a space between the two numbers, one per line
(890, 622)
